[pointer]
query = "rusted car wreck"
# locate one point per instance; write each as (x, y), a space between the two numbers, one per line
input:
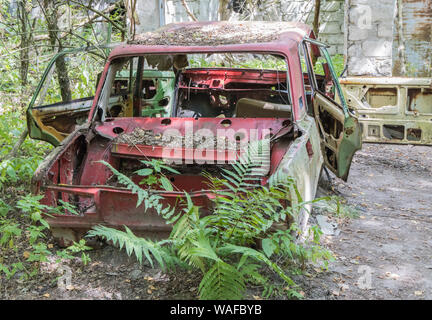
(391, 109)
(159, 82)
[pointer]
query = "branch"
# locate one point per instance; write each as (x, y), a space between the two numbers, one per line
(14, 151)
(50, 22)
(84, 23)
(100, 13)
(188, 11)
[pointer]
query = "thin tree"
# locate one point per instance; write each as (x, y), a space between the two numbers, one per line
(25, 30)
(316, 18)
(188, 11)
(50, 11)
(315, 25)
(25, 39)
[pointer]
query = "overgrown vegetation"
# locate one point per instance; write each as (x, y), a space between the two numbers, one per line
(250, 232)
(28, 41)
(338, 207)
(17, 171)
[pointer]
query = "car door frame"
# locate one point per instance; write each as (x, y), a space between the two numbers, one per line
(337, 151)
(35, 127)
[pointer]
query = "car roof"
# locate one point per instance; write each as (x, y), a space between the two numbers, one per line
(218, 36)
(217, 33)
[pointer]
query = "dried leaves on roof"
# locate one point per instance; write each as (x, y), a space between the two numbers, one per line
(216, 33)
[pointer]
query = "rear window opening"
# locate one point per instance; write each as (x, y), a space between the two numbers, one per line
(223, 85)
(232, 93)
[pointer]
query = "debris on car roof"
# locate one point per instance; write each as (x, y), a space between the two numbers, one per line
(219, 33)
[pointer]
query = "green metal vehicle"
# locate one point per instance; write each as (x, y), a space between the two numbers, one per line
(392, 109)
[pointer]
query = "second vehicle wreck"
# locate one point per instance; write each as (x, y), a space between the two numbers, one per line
(193, 83)
(392, 109)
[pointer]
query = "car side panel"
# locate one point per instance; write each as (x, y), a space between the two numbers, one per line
(302, 162)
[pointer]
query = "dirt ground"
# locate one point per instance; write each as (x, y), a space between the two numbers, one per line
(384, 253)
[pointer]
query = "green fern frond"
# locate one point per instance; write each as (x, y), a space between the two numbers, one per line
(140, 247)
(185, 222)
(185, 234)
(222, 281)
(251, 273)
(150, 199)
(184, 253)
(132, 186)
(259, 256)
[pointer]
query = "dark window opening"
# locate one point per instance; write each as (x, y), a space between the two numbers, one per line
(414, 134)
(393, 131)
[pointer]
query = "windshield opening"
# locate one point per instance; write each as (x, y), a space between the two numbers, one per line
(222, 85)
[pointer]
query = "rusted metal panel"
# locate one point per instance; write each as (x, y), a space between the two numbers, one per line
(416, 28)
(392, 110)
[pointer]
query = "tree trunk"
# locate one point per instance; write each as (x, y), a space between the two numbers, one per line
(316, 18)
(316, 25)
(25, 41)
(224, 12)
(51, 16)
(130, 6)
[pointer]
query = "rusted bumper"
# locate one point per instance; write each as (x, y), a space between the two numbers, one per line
(115, 207)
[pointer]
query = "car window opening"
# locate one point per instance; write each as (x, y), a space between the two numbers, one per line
(197, 86)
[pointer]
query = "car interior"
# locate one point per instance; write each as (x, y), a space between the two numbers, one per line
(184, 91)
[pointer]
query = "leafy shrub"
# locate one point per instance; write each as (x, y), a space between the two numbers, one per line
(34, 229)
(19, 170)
(76, 247)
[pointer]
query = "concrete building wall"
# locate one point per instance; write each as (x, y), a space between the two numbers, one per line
(154, 13)
(369, 36)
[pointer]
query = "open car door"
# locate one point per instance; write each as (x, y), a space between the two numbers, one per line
(339, 129)
(64, 95)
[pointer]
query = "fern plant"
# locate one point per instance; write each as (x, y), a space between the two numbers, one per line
(219, 245)
(150, 199)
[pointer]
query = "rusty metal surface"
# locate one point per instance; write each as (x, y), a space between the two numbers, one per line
(417, 39)
(392, 109)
